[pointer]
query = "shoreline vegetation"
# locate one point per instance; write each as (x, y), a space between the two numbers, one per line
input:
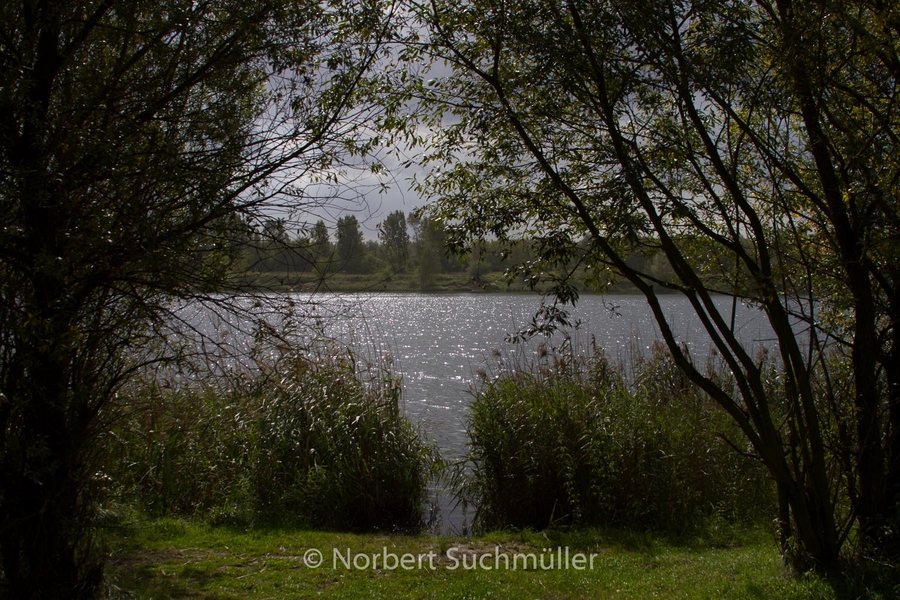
(220, 489)
(445, 283)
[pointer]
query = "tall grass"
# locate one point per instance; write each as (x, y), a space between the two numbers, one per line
(340, 452)
(307, 439)
(571, 439)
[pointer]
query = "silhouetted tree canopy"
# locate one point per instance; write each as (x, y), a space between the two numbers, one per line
(760, 134)
(138, 143)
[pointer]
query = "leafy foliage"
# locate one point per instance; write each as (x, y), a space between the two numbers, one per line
(396, 239)
(761, 134)
(350, 247)
(138, 143)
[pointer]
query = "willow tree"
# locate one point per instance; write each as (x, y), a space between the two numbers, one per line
(750, 144)
(138, 141)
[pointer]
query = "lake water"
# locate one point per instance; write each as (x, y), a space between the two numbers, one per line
(439, 342)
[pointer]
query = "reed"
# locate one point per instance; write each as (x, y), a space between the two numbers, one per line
(337, 450)
(308, 439)
(570, 438)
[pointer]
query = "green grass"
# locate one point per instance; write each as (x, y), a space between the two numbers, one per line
(407, 281)
(176, 559)
(378, 282)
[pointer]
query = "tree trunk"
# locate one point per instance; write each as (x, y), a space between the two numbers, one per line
(872, 508)
(45, 554)
(808, 537)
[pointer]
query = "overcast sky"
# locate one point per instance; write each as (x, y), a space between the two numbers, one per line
(361, 194)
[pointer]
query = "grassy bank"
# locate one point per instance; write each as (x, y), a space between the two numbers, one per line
(175, 559)
(377, 282)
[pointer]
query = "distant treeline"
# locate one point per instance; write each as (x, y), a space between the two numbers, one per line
(412, 245)
(414, 250)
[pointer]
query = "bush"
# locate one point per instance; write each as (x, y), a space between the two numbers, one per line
(308, 440)
(573, 441)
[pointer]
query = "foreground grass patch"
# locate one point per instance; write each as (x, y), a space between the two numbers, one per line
(173, 559)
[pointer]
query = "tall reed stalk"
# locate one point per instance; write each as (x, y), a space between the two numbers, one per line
(308, 438)
(573, 439)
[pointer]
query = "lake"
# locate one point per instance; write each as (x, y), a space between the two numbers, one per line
(438, 342)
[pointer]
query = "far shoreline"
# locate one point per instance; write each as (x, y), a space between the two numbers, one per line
(405, 283)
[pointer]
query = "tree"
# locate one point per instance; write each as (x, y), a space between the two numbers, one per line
(396, 239)
(321, 240)
(272, 246)
(430, 246)
(350, 246)
(137, 141)
(761, 133)
(321, 249)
